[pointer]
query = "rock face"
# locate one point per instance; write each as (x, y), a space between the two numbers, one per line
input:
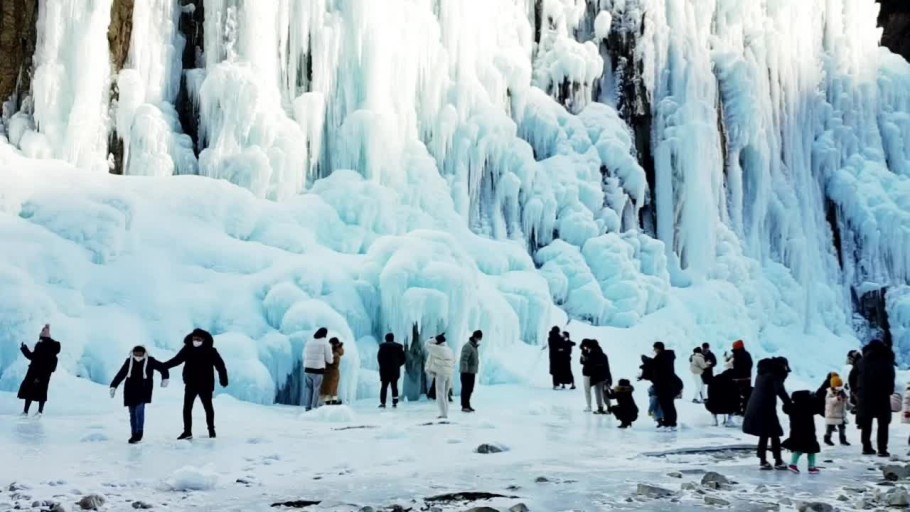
(18, 36)
(894, 18)
(120, 32)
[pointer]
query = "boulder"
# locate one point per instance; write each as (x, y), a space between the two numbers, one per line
(487, 448)
(141, 505)
(689, 486)
(898, 497)
(653, 492)
(91, 502)
(895, 472)
(714, 501)
(815, 506)
(714, 480)
(481, 509)
(542, 480)
(519, 507)
(675, 474)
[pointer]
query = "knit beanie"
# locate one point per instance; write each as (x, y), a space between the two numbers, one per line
(46, 331)
(739, 345)
(836, 381)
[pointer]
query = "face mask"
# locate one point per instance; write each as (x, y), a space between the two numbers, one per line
(197, 343)
(138, 358)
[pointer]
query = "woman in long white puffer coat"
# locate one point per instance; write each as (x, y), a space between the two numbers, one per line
(441, 365)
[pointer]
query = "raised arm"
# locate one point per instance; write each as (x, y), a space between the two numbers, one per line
(118, 379)
(26, 351)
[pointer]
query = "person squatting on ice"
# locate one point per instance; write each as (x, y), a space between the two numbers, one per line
(441, 366)
(697, 365)
(836, 411)
(390, 358)
(625, 409)
(468, 367)
(137, 375)
(200, 361)
(802, 440)
(38, 377)
(317, 354)
(875, 385)
(761, 412)
(595, 369)
(332, 377)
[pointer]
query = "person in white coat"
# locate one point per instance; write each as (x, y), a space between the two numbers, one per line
(316, 355)
(697, 365)
(441, 365)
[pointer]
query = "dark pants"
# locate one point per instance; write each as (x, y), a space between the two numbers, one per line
(667, 402)
(467, 389)
(763, 448)
(383, 392)
(137, 418)
(882, 437)
(842, 429)
(189, 397)
(28, 405)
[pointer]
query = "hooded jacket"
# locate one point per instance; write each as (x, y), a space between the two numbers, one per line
(43, 363)
(317, 354)
(697, 363)
(875, 382)
(440, 360)
(665, 380)
(200, 363)
(801, 410)
(835, 406)
(138, 379)
(761, 411)
(390, 358)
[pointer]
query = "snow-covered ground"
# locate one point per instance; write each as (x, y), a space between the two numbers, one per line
(350, 457)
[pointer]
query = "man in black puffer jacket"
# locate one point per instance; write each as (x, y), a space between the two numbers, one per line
(875, 385)
(200, 360)
(667, 384)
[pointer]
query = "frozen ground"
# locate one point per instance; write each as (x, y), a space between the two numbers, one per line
(360, 456)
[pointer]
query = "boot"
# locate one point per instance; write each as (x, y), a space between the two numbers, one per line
(382, 406)
(132, 439)
(600, 410)
(828, 441)
(843, 441)
(186, 436)
(765, 466)
(212, 433)
(394, 403)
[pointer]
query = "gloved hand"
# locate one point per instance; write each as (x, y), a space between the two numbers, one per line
(224, 382)
(164, 383)
(113, 392)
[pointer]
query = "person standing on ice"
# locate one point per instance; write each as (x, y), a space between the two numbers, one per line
(38, 377)
(742, 372)
(469, 366)
(667, 384)
(441, 366)
(853, 360)
(761, 413)
(698, 365)
(391, 358)
(317, 354)
(200, 361)
(875, 383)
(138, 372)
(802, 440)
(557, 346)
(565, 361)
(836, 411)
(596, 371)
(332, 377)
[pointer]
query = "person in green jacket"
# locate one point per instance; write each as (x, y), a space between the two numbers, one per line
(469, 366)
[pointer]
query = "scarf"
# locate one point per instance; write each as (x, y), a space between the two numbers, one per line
(145, 362)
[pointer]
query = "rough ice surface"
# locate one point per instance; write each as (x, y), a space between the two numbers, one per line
(427, 167)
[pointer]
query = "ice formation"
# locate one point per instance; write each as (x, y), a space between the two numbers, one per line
(443, 166)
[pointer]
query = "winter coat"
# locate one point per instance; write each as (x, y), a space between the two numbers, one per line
(391, 358)
(761, 411)
(665, 380)
(875, 383)
(711, 360)
(905, 412)
(200, 364)
(440, 360)
(470, 359)
(625, 409)
(835, 406)
(596, 366)
(557, 347)
(853, 385)
(138, 379)
(742, 365)
(697, 364)
(332, 374)
(43, 363)
(723, 396)
(316, 355)
(802, 424)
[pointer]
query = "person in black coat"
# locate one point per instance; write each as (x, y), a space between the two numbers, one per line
(557, 347)
(137, 374)
(723, 398)
(667, 384)
(200, 361)
(802, 410)
(711, 359)
(391, 358)
(565, 361)
(853, 359)
(38, 377)
(596, 368)
(625, 409)
(874, 387)
(742, 372)
(761, 412)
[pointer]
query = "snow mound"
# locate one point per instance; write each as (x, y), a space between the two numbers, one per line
(331, 414)
(191, 478)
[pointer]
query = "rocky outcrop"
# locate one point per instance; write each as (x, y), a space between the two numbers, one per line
(18, 36)
(894, 18)
(119, 32)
